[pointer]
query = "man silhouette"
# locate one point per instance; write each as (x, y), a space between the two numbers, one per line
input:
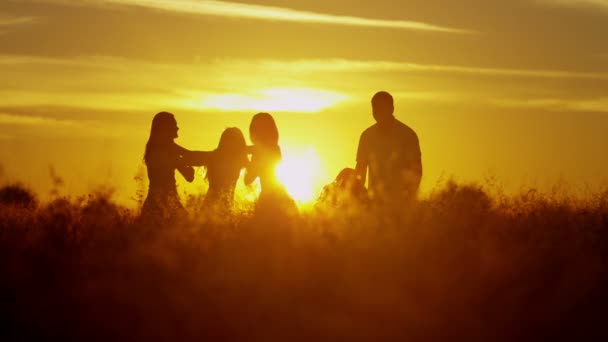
(391, 151)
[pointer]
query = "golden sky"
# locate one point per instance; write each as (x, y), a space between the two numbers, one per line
(516, 89)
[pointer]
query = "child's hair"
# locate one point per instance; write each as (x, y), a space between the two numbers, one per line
(160, 132)
(263, 130)
(232, 141)
(230, 154)
(347, 178)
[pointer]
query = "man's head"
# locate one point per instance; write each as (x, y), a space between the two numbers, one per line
(383, 107)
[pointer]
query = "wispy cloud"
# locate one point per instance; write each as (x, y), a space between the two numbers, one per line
(262, 12)
(583, 105)
(13, 123)
(601, 4)
(301, 100)
(341, 65)
(12, 20)
(18, 60)
(111, 83)
(8, 22)
(225, 67)
(19, 120)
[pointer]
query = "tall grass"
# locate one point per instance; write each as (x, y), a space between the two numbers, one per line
(463, 264)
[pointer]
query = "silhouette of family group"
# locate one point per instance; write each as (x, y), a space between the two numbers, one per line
(388, 157)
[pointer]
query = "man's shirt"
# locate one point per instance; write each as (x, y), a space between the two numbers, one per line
(393, 158)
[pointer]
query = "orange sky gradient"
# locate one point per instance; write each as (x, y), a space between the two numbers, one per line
(512, 90)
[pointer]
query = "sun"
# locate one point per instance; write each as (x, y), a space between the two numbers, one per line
(300, 173)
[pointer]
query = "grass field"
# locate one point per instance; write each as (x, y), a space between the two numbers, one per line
(466, 264)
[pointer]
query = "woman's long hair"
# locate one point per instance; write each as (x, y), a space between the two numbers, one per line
(160, 132)
(263, 130)
(230, 155)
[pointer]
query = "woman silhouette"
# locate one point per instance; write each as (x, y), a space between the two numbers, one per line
(162, 157)
(266, 155)
(224, 166)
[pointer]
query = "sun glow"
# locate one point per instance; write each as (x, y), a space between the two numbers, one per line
(301, 174)
(302, 100)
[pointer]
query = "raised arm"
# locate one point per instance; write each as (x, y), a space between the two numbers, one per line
(193, 158)
(197, 158)
(186, 171)
(251, 173)
(184, 162)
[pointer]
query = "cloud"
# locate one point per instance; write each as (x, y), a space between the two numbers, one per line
(20, 120)
(300, 100)
(110, 83)
(262, 12)
(14, 123)
(583, 105)
(14, 21)
(18, 60)
(8, 23)
(599, 4)
(225, 67)
(341, 65)
(122, 84)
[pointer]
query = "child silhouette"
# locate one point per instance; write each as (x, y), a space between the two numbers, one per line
(223, 167)
(266, 155)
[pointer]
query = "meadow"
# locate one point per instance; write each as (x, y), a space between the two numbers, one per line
(465, 263)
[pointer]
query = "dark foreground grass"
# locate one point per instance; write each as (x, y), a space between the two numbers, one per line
(461, 265)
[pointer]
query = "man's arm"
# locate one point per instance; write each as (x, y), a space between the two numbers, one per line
(362, 159)
(361, 170)
(415, 163)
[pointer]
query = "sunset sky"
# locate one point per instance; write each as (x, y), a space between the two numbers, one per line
(515, 90)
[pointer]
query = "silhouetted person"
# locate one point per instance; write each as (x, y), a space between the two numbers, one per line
(391, 151)
(162, 157)
(224, 166)
(266, 155)
(346, 190)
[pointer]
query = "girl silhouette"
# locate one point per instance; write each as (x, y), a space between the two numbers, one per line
(266, 155)
(162, 157)
(224, 166)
